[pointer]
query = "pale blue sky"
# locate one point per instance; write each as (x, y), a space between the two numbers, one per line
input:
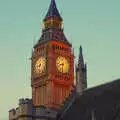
(95, 24)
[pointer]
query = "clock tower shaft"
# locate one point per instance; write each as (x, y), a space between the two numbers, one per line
(52, 66)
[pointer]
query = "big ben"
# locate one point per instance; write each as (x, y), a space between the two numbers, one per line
(52, 63)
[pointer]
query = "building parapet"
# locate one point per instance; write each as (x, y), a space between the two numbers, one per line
(24, 109)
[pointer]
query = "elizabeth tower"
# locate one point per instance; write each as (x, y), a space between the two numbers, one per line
(52, 63)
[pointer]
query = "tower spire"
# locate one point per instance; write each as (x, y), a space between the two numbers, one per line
(53, 11)
(53, 18)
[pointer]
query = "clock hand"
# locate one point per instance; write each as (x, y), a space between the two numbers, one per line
(62, 66)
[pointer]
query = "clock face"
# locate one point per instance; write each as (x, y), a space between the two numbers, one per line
(62, 64)
(40, 65)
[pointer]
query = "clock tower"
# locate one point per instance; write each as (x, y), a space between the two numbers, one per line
(52, 63)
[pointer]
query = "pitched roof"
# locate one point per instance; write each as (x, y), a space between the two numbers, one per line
(53, 11)
(102, 98)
